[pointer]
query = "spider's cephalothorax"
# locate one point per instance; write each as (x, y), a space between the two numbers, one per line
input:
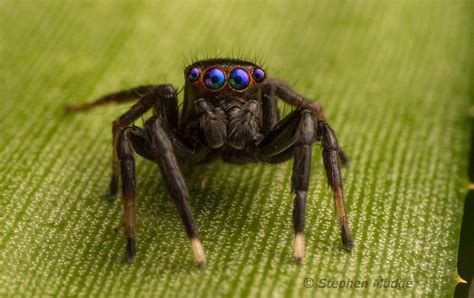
(221, 93)
(229, 111)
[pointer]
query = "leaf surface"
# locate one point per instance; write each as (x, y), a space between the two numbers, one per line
(394, 77)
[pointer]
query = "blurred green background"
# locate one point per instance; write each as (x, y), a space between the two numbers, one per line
(395, 79)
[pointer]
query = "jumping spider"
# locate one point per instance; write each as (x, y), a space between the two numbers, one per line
(229, 111)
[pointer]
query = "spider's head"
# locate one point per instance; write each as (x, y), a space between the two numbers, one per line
(217, 77)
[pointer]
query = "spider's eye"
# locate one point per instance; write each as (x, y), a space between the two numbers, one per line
(258, 75)
(194, 74)
(239, 79)
(214, 78)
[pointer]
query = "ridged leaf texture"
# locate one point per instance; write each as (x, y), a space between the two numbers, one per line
(394, 77)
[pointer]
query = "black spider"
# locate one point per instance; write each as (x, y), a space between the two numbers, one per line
(229, 111)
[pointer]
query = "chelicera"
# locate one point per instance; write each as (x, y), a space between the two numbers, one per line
(230, 111)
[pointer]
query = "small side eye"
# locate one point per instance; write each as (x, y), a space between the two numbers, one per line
(239, 79)
(258, 75)
(194, 74)
(214, 78)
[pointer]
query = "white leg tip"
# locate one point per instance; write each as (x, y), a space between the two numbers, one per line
(299, 248)
(198, 252)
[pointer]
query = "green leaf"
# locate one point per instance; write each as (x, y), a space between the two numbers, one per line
(394, 77)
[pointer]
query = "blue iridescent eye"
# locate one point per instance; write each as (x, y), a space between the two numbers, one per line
(258, 75)
(239, 79)
(194, 74)
(214, 78)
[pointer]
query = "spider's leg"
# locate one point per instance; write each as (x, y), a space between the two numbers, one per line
(294, 136)
(288, 95)
(134, 139)
(186, 151)
(159, 95)
(270, 111)
(127, 165)
(183, 150)
(160, 145)
(116, 97)
(333, 172)
(281, 137)
(304, 139)
(167, 107)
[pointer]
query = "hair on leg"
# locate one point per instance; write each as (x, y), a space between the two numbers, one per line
(343, 158)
